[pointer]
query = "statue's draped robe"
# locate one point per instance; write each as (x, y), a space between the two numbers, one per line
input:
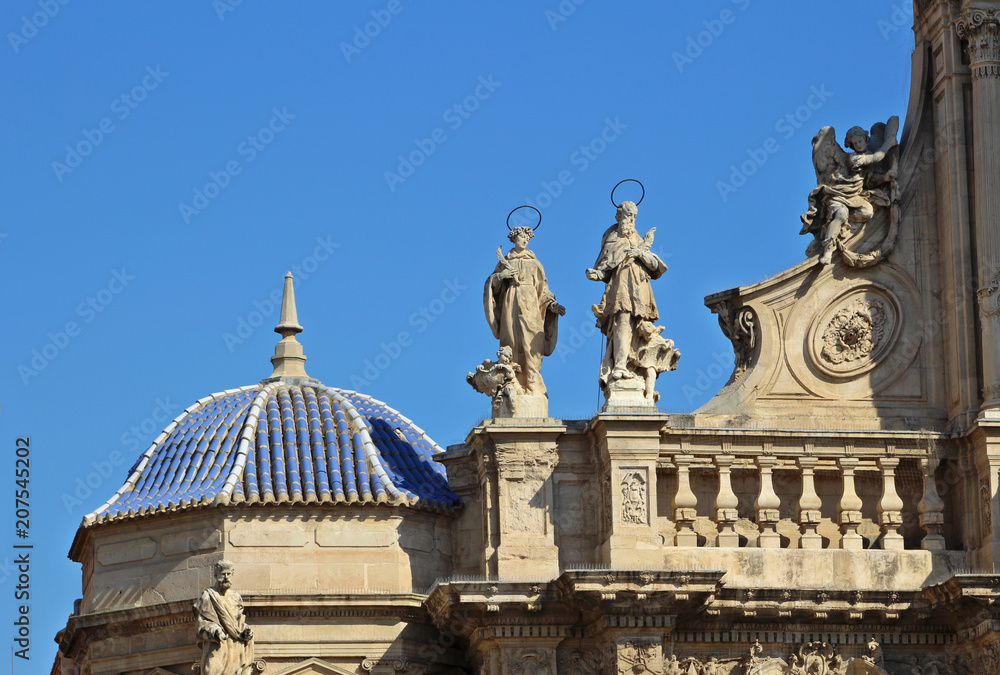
(520, 314)
(627, 288)
(231, 656)
(845, 187)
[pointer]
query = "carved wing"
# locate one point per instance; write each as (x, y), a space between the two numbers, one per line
(888, 168)
(828, 156)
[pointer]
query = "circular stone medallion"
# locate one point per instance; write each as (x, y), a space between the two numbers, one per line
(857, 329)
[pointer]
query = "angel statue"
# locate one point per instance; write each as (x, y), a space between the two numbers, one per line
(524, 315)
(852, 189)
(636, 352)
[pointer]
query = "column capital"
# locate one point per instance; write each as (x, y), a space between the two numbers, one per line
(724, 461)
(980, 28)
(766, 462)
(847, 464)
(888, 463)
(683, 460)
(807, 462)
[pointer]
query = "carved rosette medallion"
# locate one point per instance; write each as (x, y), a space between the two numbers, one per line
(634, 501)
(855, 332)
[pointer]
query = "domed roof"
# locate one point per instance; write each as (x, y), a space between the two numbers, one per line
(287, 440)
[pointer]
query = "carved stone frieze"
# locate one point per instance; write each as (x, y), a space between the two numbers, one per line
(582, 661)
(530, 662)
(634, 492)
(640, 656)
(854, 331)
(933, 664)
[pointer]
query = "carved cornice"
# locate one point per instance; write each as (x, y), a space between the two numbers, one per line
(980, 28)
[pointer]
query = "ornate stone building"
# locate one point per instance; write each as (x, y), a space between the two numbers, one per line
(834, 509)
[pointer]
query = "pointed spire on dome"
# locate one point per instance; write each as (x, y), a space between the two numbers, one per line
(288, 359)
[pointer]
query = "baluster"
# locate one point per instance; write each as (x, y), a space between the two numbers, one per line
(890, 507)
(931, 507)
(685, 503)
(849, 507)
(726, 502)
(767, 505)
(809, 506)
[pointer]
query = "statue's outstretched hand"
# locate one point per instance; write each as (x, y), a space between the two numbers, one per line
(558, 309)
(219, 635)
(593, 274)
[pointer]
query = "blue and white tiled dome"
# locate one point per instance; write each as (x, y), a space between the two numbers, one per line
(287, 440)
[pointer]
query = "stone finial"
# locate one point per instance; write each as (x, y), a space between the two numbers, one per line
(288, 359)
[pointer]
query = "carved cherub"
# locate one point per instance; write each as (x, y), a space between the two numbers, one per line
(653, 355)
(497, 379)
(849, 186)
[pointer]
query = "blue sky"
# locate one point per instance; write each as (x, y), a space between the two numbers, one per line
(166, 163)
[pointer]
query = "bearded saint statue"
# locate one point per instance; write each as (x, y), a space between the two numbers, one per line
(225, 639)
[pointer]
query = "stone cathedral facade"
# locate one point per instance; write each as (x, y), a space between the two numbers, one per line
(834, 509)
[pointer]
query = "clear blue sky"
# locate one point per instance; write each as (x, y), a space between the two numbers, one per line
(297, 116)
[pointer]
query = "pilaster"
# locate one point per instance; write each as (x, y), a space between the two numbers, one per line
(980, 29)
(628, 447)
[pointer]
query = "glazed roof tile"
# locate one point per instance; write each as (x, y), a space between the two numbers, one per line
(281, 443)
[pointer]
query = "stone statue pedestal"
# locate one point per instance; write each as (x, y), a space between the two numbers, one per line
(628, 395)
(521, 405)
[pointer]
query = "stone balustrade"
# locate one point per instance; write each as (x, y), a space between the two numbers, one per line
(769, 500)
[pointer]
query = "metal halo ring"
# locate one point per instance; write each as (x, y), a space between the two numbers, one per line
(525, 206)
(627, 180)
